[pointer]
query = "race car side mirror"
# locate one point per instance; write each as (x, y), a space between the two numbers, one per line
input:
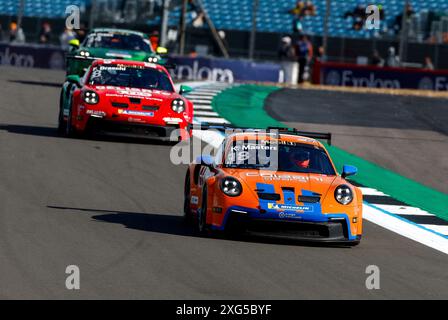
(206, 161)
(74, 43)
(348, 171)
(75, 79)
(185, 89)
(161, 50)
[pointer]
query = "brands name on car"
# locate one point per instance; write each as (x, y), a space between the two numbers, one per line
(274, 176)
(247, 147)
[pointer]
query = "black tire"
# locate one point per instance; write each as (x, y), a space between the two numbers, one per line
(69, 130)
(61, 123)
(201, 225)
(188, 216)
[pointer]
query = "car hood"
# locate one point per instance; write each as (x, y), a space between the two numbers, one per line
(138, 99)
(265, 181)
(126, 92)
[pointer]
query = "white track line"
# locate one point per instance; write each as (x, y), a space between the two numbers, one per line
(202, 107)
(208, 91)
(212, 120)
(196, 97)
(199, 101)
(440, 229)
(405, 210)
(406, 228)
(206, 113)
(202, 104)
(372, 192)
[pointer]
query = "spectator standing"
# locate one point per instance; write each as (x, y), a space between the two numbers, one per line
(45, 33)
(81, 33)
(66, 37)
(376, 59)
(310, 9)
(196, 14)
(392, 61)
(320, 56)
(399, 19)
(12, 31)
(428, 64)
(286, 50)
(154, 38)
(304, 55)
(16, 34)
(298, 9)
(297, 13)
(359, 16)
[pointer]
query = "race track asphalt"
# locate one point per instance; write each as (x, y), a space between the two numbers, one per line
(113, 208)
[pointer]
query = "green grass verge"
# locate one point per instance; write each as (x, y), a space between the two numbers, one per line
(244, 106)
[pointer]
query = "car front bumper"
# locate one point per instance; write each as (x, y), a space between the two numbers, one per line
(335, 230)
(131, 130)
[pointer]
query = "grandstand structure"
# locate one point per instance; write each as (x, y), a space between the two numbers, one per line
(427, 34)
(39, 8)
(237, 14)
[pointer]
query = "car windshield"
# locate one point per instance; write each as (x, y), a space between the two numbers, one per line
(118, 41)
(130, 76)
(278, 156)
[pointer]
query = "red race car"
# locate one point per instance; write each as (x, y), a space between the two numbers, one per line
(125, 98)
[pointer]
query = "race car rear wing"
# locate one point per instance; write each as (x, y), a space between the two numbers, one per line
(314, 135)
(276, 130)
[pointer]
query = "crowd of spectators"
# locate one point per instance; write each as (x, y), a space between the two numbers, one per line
(46, 35)
(300, 50)
(358, 17)
(302, 9)
(356, 20)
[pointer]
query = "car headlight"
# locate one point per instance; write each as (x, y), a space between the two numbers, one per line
(343, 194)
(153, 59)
(91, 97)
(178, 105)
(231, 187)
(85, 53)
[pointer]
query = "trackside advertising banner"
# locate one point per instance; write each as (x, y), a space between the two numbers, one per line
(213, 69)
(225, 70)
(351, 75)
(32, 56)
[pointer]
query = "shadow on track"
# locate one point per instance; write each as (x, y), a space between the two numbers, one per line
(53, 132)
(176, 225)
(30, 130)
(161, 223)
(38, 83)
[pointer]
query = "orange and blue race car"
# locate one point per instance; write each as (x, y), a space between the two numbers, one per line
(276, 183)
(125, 98)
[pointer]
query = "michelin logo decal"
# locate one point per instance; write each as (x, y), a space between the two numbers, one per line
(275, 206)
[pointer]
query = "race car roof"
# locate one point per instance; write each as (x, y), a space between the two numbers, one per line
(271, 136)
(114, 30)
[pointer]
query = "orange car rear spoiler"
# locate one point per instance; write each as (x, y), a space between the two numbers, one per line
(314, 135)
